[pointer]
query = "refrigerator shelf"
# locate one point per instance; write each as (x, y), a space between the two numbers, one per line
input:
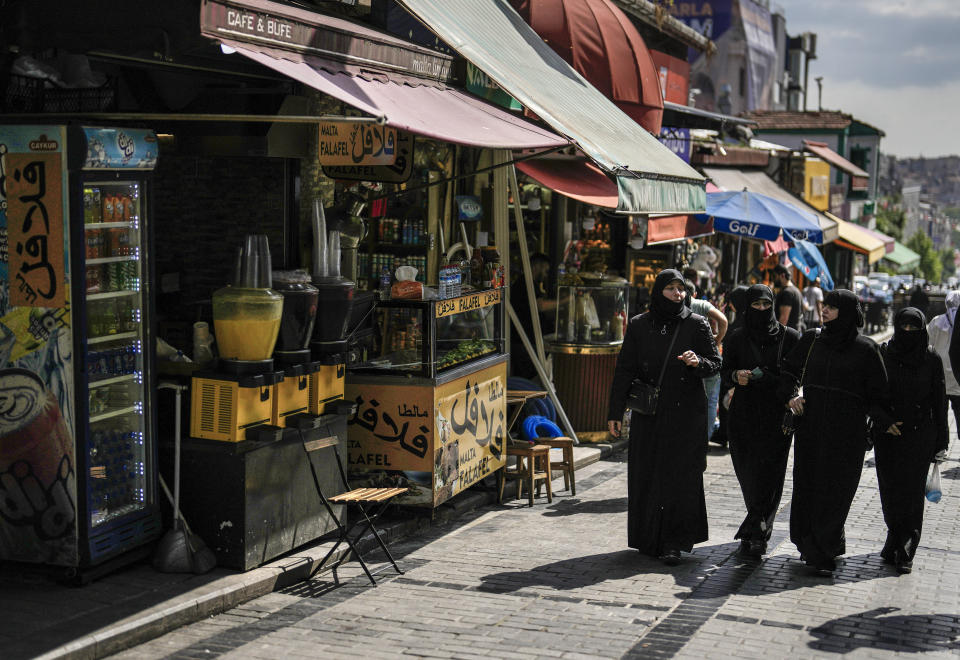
(111, 381)
(111, 260)
(130, 224)
(114, 413)
(106, 338)
(112, 294)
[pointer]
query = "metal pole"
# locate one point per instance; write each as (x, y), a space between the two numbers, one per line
(564, 421)
(736, 266)
(525, 261)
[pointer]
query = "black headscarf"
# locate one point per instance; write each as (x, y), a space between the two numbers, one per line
(666, 311)
(761, 324)
(909, 346)
(738, 298)
(849, 317)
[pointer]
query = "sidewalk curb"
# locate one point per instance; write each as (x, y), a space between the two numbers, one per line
(235, 589)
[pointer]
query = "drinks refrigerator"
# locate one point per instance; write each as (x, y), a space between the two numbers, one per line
(78, 468)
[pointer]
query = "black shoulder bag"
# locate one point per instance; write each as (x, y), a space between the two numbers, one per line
(642, 397)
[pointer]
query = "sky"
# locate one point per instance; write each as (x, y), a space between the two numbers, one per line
(894, 64)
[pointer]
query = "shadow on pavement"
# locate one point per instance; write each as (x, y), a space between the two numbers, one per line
(909, 633)
(576, 506)
(575, 573)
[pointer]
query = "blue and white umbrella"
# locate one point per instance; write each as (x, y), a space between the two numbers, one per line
(807, 259)
(754, 215)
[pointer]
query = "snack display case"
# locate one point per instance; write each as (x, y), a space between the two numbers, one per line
(591, 322)
(431, 397)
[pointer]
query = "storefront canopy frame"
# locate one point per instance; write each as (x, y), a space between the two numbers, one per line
(491, 35)
(401, 84)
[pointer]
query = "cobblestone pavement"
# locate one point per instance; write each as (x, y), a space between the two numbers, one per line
(557, 580)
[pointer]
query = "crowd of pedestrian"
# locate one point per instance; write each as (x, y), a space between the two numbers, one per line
(795, 369)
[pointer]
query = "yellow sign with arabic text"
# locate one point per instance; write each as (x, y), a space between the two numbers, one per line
(452, 435)
(357, 144)
(38, 276)
(468, 303)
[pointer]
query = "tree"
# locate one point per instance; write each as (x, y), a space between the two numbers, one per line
(891, 222)
(930, 264)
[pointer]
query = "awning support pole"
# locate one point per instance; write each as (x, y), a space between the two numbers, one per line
(551, 392)
(736, 266)
(525, 261)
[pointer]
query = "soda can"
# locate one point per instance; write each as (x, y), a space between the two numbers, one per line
(94, 279)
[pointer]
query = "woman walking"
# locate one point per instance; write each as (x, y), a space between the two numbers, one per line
(940, 330)
(752, 357)
(668, 449)
(843, 380)
(918, 402)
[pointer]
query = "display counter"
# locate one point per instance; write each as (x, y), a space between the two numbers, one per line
(431, 399)
(591, 322)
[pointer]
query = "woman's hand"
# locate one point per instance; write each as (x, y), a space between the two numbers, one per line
(743, 376)
(895, 429)
(689, 358)
(614, 427)
(796, 404)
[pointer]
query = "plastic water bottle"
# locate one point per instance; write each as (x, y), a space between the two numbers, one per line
(385, 283)
(442, 284)
(933, 491)
(454, 285)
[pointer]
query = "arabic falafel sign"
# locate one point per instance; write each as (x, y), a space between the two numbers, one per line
(32, 186)
(454, 434)
(356, 144)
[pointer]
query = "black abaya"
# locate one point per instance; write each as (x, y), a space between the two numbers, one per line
(845, 381)
(667, 509)
(758, 446)
(918, 399)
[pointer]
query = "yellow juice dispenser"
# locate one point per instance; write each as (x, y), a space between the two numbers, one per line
(236, 400)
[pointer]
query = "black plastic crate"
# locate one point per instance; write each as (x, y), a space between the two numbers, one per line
(26, 94)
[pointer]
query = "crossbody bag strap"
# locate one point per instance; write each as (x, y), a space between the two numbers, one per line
(783, 335)
(667, 357)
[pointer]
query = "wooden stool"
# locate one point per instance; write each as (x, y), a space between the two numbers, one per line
(565, 464)
(532, 466)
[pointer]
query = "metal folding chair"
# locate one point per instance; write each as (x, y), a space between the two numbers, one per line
(380, 498)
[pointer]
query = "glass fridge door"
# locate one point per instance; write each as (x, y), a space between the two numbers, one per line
(116, 337)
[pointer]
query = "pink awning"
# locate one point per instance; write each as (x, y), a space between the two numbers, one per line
(889, 243)
(435, 111)
(577, 178)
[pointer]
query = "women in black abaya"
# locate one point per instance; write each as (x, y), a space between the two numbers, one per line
(738, 300)
(918, 403)
(845, 380)
(667, 512)
(752, 356)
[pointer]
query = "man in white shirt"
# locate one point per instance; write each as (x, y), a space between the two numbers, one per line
(813, 305)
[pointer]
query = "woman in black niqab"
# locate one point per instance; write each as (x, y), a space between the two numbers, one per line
(667, 512)
(849, 320)
(752, 357)
(843, 380)
(918, 404)
(738, 298)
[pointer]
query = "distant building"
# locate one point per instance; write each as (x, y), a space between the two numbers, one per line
(851, 146)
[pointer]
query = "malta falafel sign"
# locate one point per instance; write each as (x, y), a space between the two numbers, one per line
(435, 440)
(354, 143)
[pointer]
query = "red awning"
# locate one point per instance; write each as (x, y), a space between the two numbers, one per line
(576, 178)
(859, 177)
(439, 112)
(598, 40)
(668, 228)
